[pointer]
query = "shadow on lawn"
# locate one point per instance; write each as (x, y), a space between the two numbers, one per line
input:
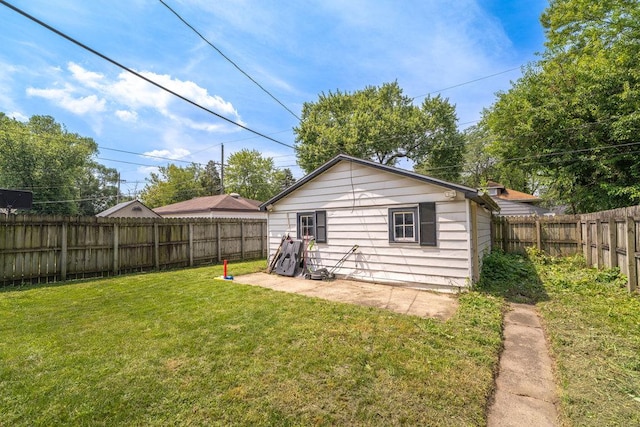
(512, 277)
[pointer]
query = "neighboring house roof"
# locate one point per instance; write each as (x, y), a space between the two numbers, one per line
(124, 210)
(469, 193)
(219, 203)
(511, 208)
(497, 190)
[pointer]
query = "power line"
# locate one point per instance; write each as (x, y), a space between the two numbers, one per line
(135, 73)
(129, 163)
(468, 82)
(149, 155)
(228, 59)
(47, 202)
(557, 153)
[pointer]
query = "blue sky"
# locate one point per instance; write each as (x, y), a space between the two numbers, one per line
(296, 50)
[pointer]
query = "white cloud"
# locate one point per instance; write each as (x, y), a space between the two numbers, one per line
(127, 116)
(93, 92)
(63, 98)
(175, 154)
(18, 116)
(135, 93)
(85, 77)
(147, 170)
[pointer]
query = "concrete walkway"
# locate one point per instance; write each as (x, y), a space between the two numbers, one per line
(525, 390)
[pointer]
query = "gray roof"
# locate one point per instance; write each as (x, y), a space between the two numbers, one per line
(468, 192)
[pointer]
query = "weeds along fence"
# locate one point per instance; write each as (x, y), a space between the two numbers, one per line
(42, 249)
(607, 239)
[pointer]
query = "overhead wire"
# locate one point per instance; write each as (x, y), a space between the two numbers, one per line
(184, 21)
(468, 82)
(135, 73)
(149, 155)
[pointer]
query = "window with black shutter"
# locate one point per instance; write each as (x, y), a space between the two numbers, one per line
(414, 225)
(312, 225)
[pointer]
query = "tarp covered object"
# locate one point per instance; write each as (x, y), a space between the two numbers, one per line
(290, 259)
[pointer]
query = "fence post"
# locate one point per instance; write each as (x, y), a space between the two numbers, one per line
(156, 246)
(190, 244)
(613, 243)
(116, 251)
(242, 239)
(587, 254)
(598, 261)
(579, 247)
(538, 234)
(263, 233)
(505, 234)
(63, 252)
(632, 274)
(219, 242)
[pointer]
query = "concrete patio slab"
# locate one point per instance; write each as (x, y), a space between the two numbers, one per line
(399, 299)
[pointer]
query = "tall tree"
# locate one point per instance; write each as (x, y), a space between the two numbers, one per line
(383, 125)
(173, 184)
(573, 117)
(98, 189)
(253, 176)
(479, 165)
(210, 179)
(284, 179)
(43, 157)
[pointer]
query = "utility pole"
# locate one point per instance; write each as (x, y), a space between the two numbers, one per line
(118, 193)
(222, 169)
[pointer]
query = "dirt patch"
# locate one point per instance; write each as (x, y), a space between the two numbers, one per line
(400, 299)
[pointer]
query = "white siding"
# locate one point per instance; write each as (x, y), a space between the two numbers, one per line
(357, 199)
(484, 232)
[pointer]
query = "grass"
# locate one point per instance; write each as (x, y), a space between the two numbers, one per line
(181, 347)
(593, 325)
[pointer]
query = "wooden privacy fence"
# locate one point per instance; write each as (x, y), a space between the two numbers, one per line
(37, 249)
(607, 239)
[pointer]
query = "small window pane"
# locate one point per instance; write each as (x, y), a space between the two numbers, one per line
(403, 226)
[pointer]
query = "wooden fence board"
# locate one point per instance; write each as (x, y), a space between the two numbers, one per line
(606, 239)
(36, 248)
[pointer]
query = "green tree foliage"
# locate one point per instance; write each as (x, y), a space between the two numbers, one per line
(56, 165)
(383, 125)
(479, 166)
(99, 185)
(253, 176)
(284, 179)
(573, 119)
(173, 184)
(210, 179)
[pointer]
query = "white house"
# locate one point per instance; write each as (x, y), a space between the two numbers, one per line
(409, 228)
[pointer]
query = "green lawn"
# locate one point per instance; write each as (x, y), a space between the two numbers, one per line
(181, 347)
(593, 325)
